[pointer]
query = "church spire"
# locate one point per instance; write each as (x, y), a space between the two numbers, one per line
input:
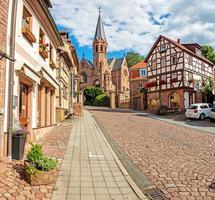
(100, 32)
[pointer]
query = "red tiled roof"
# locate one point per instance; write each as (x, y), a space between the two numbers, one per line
(139, 65)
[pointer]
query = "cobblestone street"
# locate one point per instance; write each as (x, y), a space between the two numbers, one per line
(180, 161)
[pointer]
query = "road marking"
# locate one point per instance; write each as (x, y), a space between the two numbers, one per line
(95, 156)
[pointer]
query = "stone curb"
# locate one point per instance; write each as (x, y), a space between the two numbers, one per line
(133, 185)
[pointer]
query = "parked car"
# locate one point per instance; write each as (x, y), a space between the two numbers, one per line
(212, 114)
(199, 111)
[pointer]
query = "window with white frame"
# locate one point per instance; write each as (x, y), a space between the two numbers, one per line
(163, 48)
(163, 62)
(173, 60)
(143, 72)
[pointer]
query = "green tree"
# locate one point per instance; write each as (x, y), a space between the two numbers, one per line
(133, 58)
(208, 87)
(209, 53)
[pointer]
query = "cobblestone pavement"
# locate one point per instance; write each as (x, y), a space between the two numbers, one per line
(90, 170)
(180, 161)
(13, 185)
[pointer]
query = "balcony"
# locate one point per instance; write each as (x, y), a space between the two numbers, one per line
(28, 34)
(52, 64)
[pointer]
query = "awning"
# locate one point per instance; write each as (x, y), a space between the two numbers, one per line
(30, 73)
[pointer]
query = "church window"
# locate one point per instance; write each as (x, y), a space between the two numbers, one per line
(125, 73)
(101, 47)
(96, 48)
(84, 75)
(82, 64)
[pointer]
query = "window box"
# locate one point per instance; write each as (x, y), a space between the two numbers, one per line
(52, 64)
(152, 84)
(173, 80)
(161, 82)
(28, 34)
(43, 52)
(191, 81)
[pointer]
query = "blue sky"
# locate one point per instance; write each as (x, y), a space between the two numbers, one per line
(135, 24)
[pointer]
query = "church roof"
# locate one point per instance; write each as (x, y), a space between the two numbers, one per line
(110, 60)
(118, 63)
(100, 32)
(90, 63)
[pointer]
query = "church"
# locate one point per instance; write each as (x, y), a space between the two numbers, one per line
(112, 75)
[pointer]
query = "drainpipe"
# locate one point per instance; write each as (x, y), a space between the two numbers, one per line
(11, 79)
(72, 89)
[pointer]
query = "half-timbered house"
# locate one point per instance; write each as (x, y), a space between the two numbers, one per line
(175, 74)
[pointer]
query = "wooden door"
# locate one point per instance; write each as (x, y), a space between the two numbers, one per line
(23, 105)
(137, 103)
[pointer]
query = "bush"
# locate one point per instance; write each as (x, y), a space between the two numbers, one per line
(162, 110)
(91, 93)
(38, 160)
(102, 100)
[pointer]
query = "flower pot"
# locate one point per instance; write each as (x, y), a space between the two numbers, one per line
(18, 147)
(38, 177)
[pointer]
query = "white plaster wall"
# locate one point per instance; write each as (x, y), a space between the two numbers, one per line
(27, 53)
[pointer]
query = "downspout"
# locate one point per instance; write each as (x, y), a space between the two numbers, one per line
(11, 80)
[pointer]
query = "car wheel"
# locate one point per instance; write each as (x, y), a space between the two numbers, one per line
(202, 116)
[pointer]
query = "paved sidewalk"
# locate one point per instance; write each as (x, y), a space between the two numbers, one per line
(90, 169)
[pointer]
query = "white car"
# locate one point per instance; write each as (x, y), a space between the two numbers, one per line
(199, 111)
(212, 114)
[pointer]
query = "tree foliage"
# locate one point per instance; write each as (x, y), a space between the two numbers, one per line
(91, 93)
(133, 58)
(209, 53)
(102, 100)
(208, 86)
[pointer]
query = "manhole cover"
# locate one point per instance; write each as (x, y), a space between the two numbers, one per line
(155, 194)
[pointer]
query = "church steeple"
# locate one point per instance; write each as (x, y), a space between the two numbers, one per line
(100, 51)
(100, 32)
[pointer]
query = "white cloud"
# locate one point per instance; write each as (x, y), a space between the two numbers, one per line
(135, 24)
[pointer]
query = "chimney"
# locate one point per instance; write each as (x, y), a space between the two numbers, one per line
(179, 41)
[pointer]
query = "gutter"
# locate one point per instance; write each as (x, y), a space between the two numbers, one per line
(11, 79)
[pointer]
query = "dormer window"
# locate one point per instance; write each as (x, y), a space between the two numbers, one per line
(163, 48)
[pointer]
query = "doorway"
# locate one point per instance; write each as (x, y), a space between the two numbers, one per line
(23, 105)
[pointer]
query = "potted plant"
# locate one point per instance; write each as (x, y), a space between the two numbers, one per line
(39, 169)
(18, 143)
(162, 110)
